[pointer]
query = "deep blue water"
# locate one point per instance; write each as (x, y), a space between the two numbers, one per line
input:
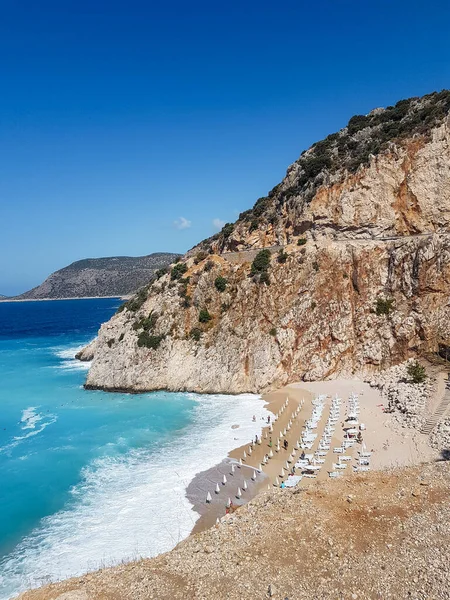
(81, 471)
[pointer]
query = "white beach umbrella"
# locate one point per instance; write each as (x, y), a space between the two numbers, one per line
(254, 475)
(288, 428)
(217, 521)
(297, 446)
(268, 486)
(284, 432)
(232, 468)
(260, 467)
(208, 497)
(217, 488)
(224, 480)
(287, 466)
(239, 493)
(259, 440)
(244, 485)
(278, 446)
(244, 455)
(277, 481)
(228, 503)
(282, 472)
(249, 450)
(271, 453)
(240, 463)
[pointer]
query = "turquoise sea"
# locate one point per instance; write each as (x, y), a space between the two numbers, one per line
(89, 478)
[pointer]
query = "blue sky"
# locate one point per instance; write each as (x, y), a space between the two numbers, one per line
(136, 127)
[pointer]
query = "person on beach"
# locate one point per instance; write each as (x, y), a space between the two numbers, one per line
(270, 442)
(254, 419)
(302, 455)
(285, 444)
(256, 439)
(268, 420)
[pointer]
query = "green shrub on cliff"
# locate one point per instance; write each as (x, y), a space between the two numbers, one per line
(149, 341)
(261, 262)
(178, 271)
(416, 372)
(204, 316)
(196, 333)
(227, 230)
(200, 256)
(161, 272)
(264, 278)
(384, 306)
(135, 303)
(146, 323)
(220, 283)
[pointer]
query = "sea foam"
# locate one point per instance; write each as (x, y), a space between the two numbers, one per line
(134, 505)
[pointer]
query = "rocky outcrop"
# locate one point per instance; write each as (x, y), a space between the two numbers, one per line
(440, 438)
(362, 283)
(407, 400)
(97, 277)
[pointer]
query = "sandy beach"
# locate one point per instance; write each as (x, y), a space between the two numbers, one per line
(207, 480)
(390, 445)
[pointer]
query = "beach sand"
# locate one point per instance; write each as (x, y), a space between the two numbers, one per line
(391, 445)
(206, 480)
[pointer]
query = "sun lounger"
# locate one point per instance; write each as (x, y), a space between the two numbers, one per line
(292, 481)
(338, 450)
(345, 458)
(334, 474)
(310, 476)
(339, 466)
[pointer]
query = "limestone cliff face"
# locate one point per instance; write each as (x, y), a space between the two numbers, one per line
(380, 234)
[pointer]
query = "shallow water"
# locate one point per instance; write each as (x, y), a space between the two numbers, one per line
(89, 478)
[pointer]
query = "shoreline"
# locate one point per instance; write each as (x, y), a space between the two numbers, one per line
(391, 444)
(273, 402)
(7, 300)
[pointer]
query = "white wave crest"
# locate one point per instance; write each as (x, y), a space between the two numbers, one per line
(68, 360)
(18, 439)
(30, 417)
(133, 506)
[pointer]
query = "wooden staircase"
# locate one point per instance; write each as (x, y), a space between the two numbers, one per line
(439, 413)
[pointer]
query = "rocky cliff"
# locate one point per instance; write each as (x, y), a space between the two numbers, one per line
(111, 276)
(356, 275)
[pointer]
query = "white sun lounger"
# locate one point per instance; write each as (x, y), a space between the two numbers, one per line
(334, 474)
(292, 481)
(345, 458)
(309, 476)
(338, 450)
(339, 466)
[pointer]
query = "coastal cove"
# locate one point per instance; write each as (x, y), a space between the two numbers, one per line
(92, 478)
